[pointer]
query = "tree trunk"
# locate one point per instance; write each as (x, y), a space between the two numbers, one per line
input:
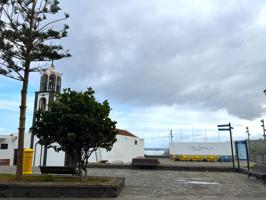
(22, 119)
(22, 115)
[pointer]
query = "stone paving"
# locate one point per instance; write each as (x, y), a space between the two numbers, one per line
(162, 184)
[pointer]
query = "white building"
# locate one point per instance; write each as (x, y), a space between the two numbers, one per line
(8, 148)
(127, 147)
(8, 144)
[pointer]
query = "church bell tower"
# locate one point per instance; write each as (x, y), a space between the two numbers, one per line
(50, 84)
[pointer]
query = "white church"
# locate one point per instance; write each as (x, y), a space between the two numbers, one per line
(127, 146)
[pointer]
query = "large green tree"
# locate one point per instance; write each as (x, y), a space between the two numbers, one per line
(27, 43)
(77, 124)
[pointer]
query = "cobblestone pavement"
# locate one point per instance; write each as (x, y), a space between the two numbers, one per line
(161, 184)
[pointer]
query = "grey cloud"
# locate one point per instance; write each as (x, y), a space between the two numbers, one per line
(133, 53)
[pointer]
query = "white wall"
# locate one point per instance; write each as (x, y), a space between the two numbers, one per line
(123, 151)
(53, 158)
(12, 142)
(206, 148)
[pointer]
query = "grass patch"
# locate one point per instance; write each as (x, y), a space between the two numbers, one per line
(53, 178)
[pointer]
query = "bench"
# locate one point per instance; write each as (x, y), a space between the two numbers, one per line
(57, 170)
(259, 171)
(145, 163)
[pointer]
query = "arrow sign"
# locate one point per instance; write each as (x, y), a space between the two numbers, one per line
(223, 129)
(223, 125)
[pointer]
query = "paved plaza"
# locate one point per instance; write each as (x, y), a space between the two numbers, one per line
(162, 184)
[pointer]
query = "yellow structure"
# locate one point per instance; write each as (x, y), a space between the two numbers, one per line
(185, 157)
(199, 158)
(212, 158)
(27, 161)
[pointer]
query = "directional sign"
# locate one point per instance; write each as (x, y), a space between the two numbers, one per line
(223, 129)
(223, 125)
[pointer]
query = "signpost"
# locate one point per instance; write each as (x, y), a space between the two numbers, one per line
(228, 127)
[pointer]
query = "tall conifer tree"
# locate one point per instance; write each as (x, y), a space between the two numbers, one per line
(27, 44)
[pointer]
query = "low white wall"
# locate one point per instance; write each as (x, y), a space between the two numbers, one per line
(206, 148)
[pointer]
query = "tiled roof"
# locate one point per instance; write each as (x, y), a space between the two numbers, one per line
(125, 133)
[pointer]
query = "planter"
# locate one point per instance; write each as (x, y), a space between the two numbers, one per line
(61, 190)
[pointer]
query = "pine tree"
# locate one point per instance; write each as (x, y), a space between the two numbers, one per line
(27, 44)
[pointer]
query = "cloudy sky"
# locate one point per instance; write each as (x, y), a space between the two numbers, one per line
(181, 65)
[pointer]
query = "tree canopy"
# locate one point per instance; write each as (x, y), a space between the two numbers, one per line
(27, 35)
(77, 124)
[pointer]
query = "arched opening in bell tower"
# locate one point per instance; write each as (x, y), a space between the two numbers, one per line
(52, 79)
(44, 82)
(58, 84)
(42, 103)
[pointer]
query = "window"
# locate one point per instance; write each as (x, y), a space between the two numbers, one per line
(4, 146)
(136, 142)
(42, 103)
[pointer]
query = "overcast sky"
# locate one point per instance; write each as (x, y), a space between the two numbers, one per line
(163, 64)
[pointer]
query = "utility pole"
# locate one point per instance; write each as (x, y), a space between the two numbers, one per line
(193, 135)
(218, 134)
(171, 136)
(248, 136)
(263, 127)
(205, 139)
(247, 132)
(180, 135)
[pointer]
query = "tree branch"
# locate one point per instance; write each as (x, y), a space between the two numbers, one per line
(12, 77)
(45, 26)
